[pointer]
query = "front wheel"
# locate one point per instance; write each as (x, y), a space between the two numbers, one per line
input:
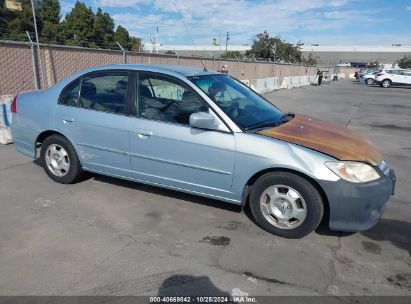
(369, 81)
(60, 160)
(286, 204)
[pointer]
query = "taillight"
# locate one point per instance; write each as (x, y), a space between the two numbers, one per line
(380, 74)
(14, 105)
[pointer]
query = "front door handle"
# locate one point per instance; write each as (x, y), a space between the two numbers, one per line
(67, 120)
(141, 133)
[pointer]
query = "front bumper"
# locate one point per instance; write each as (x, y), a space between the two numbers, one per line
(358, 207)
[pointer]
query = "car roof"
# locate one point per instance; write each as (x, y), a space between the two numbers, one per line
(396, 70)
(160, 68)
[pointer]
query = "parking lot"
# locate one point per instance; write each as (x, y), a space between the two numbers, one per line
(105, 236)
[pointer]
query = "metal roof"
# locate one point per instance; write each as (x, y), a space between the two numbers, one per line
(160, 68)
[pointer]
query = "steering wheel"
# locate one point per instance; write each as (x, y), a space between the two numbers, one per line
(167, 106)
(235, 106)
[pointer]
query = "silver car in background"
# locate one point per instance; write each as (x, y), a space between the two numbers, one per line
(368, 78)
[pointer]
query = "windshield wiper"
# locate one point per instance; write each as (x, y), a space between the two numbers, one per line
(283, 119)
(262, 125)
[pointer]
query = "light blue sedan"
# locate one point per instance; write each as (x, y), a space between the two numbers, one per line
(204, 133)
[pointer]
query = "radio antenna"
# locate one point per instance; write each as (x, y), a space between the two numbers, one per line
(185, 27)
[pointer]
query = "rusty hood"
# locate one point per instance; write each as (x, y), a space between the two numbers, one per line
(325, 137)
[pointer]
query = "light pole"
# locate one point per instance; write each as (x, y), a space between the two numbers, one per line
(227, 37)
(33, 59)
(37, 38)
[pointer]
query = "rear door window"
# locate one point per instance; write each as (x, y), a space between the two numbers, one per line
(105, 92)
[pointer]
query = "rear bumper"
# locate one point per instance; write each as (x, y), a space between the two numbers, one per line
(358, 207)
(23, 138)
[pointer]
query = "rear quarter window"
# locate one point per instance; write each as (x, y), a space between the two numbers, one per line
(69, 95)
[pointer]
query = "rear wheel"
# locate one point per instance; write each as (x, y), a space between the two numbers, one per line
(369, 81)
(286, 204)
(386, 83)
(60, 160)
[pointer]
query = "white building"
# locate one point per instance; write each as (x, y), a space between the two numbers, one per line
(326, 55)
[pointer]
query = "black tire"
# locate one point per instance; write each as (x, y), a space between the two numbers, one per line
(369, 81)
(386, 83)
(74, 172)
(311, 196)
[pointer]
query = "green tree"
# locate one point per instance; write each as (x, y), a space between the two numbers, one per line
(103, 29)
(232, 55)
(78, 26)
(49, 11)
(122, 36)
(270, 48)
(81, 27)
(310, 60)
(405, 62)
(49, 14)
(135, 44)
(14, 24)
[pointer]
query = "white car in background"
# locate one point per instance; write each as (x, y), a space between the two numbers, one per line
(386, 78)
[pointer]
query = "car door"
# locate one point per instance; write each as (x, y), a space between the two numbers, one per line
(164, 148)
(406, 77)
(396, 76)
(93, 112)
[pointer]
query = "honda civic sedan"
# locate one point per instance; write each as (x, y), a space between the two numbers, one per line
(205, 133)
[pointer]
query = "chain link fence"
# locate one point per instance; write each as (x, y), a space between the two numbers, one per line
(20, 65)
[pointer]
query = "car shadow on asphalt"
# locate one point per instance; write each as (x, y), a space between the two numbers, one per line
(322, 229)
(165, 192)
(155, 190)
(398, 233)
(394, 236)
(189, 285)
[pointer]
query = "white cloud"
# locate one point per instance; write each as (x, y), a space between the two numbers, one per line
(119, 3)
(204, 20)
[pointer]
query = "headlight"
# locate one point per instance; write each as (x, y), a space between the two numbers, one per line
(353, 171)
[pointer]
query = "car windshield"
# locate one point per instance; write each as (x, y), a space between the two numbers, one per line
(245, 107)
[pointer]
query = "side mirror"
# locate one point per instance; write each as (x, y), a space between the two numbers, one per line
(202, 120)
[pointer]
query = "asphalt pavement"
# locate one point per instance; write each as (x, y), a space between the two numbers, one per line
(105, 236)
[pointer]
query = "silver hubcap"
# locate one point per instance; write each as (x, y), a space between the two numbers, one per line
(57, 160)
(283, 207)
(386, 84)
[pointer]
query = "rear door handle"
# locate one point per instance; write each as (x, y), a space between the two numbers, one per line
(67, 120)
(143, 133)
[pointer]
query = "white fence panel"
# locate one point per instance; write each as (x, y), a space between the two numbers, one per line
(5, 119)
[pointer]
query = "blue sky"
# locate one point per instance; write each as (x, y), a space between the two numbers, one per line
(326, 22)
